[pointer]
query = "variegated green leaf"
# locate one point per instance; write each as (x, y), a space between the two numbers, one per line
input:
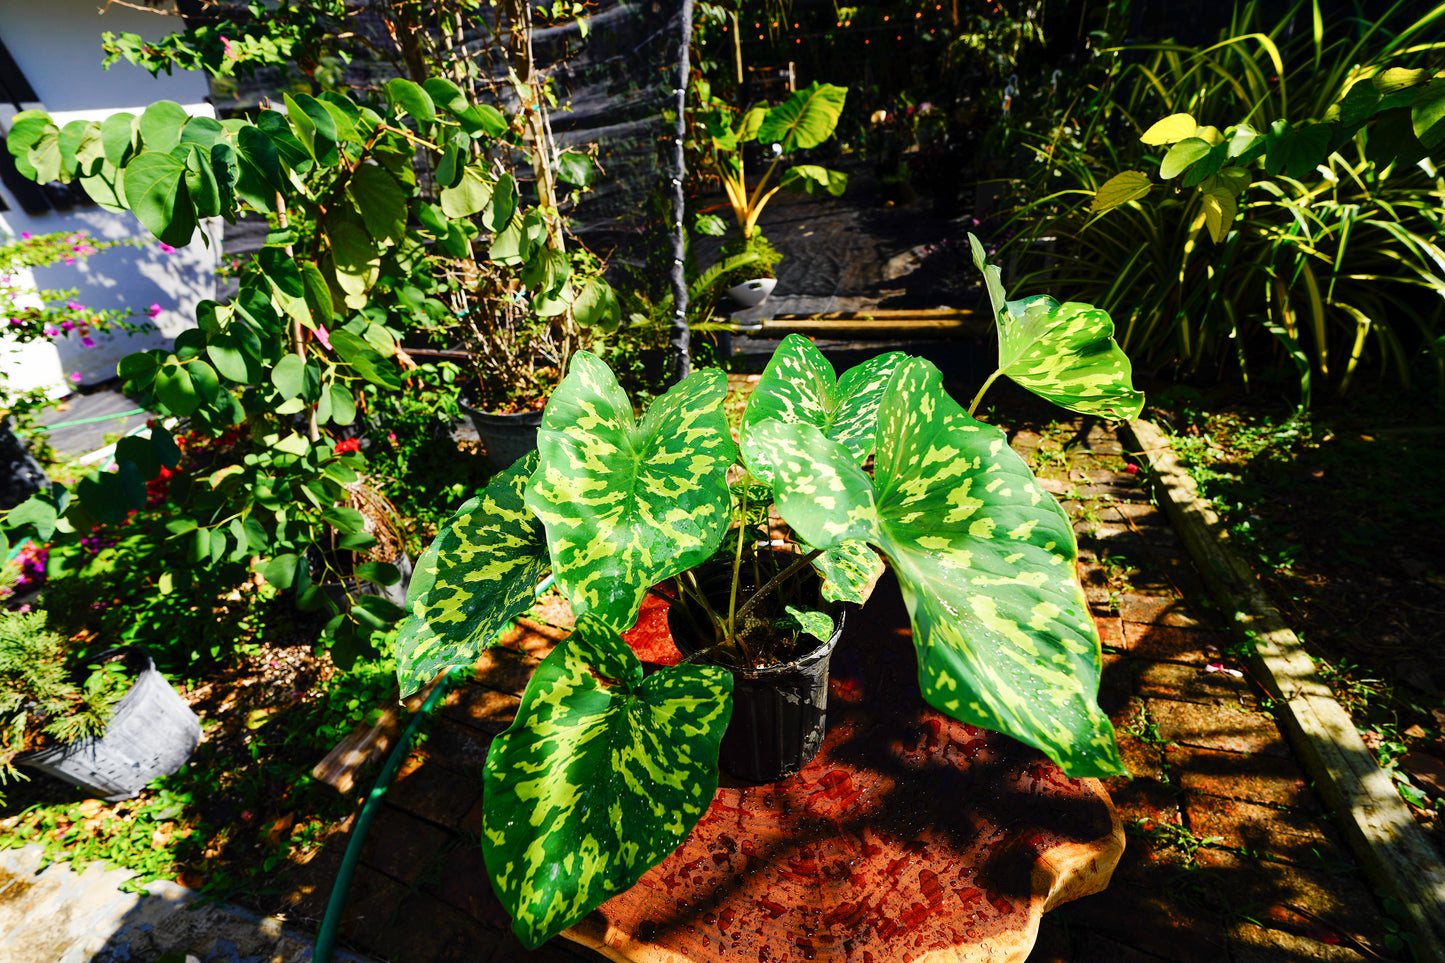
(849, 571)
(1063, 352)
(799, 385)
(985, 558)
(601, 776)
(812, 622)
(477, 574)
(629, 504)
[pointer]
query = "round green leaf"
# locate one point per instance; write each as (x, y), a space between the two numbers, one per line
(175, 390)
(411, 98)
(160, 125)
(155, 189)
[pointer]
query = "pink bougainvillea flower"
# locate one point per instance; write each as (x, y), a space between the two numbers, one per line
(166, 248)
(323, 336)
(70, 260)
(51, 331)
(87, 341)
(67, 325)
(75, 377)
(153, 310)
(26, 235)
(74, 306)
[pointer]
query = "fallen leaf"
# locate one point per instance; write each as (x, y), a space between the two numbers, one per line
(1427, 772)
(279, 829)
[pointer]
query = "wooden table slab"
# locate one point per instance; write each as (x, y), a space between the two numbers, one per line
(911, 837)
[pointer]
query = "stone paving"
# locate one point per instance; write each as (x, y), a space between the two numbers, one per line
(56, 915)
(1230, 855)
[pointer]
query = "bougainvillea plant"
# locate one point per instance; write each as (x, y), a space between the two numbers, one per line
(605, 770)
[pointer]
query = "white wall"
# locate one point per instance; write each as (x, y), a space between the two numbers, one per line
(56, 44)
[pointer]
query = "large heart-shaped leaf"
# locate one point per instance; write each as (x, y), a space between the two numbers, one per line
(1063, 352)
(805, 119)
(628, 504)
(798, 385)
(985, 558)
(480, 571)
(601, 776)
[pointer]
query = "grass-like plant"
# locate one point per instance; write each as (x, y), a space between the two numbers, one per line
(1323, 255)
(39, 697)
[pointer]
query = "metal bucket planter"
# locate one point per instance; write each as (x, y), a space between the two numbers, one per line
(750, 294)
(151, 733)
(780, 712)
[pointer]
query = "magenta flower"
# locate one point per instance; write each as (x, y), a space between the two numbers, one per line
(153, 310)
(74, 306)
(323, 337)
(75, 377)
(51, 331)
(25, 235)
(87, 341)
(67, 325)
(166, 248)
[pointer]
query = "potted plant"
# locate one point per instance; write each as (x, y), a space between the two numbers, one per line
(606, 769)
(804, 120)
(110, 727)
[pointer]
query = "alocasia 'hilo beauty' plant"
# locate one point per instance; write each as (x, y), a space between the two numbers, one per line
(605, 770)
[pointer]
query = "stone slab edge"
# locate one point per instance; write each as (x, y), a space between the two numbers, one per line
(1391, 847)
(139, 914)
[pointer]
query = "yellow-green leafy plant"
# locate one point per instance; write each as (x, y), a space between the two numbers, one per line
(605, 770)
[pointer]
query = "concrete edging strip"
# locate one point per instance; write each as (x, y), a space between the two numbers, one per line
(1391, 847)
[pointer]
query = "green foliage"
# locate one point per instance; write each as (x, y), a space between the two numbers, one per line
(612, 505)
(1304, 227)
(320, 312)
(40, 698)
(804, 120)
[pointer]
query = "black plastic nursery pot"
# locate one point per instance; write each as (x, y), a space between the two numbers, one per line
(151, 733)
(504, 437)
(780, 712)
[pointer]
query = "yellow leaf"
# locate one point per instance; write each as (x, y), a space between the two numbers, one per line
(1170, 130)
(220, 476)
(1398, 78)
(1219, 210)
(1210, 134)
(1120, 189)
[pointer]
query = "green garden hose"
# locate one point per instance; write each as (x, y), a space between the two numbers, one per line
(42, 429)
(326, 935)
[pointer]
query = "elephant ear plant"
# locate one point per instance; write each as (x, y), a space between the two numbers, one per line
(606, 770)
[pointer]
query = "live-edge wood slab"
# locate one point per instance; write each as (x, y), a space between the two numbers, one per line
(911, 837)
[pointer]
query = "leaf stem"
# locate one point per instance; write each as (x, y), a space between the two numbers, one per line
(772, 582)
(973, 406)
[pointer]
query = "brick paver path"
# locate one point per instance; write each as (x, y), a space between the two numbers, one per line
(1230, 857)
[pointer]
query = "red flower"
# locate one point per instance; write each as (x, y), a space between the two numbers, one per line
(350, 444)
